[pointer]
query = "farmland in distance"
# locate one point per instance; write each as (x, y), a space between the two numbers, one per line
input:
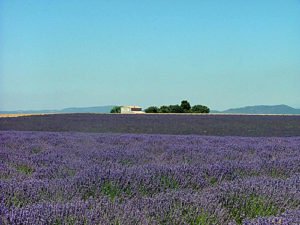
(220, 125)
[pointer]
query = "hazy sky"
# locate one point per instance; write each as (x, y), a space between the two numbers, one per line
(220, 53)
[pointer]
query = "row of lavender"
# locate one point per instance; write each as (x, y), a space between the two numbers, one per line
(77, 178)
(219, 125)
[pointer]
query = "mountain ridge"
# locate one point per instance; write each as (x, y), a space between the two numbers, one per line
(93, 109)
(261, 109)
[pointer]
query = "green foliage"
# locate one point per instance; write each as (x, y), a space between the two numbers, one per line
(116, 222)
(143, 190)
(185, 105)
(277, 173)
(200, 109)
(213, 181)
(250, 207)
(4, 176)
(116, 109)
(194, 218)
(169, 182)
(176, 109)
(152, 109)
(69, 220)
(25, 169)
(16, 201)
(111, 190)
(164, 109)
(189, 214)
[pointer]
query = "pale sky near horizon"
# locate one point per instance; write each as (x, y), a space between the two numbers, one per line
(56, 54)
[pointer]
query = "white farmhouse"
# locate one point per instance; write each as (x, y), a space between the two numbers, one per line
(131, 109)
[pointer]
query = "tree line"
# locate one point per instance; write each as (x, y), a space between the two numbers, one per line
(184, 107)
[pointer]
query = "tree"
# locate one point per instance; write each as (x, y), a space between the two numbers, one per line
(176, 109)
(152, 109)
(164, 109)
(200, 109)
(116, 109)
(185, 105)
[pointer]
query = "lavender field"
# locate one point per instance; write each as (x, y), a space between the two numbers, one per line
(90, 178)
(213, 125)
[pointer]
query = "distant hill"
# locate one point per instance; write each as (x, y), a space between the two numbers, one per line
(259, 109)
(96, 109)
(262, 109)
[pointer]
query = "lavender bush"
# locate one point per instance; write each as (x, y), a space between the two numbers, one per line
(86, 178)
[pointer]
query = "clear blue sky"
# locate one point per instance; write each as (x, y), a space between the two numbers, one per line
(56, 54)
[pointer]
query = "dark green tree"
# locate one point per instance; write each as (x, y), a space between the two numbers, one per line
(200, 109)
(116, 109)
(164, 109)
(176, 109)
(185, 105)
(152, 109)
